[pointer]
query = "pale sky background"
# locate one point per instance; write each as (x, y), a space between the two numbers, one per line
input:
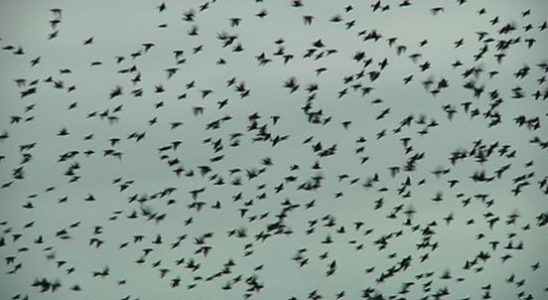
(121, 28)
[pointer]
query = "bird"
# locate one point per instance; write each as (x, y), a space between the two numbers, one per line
(226, 150)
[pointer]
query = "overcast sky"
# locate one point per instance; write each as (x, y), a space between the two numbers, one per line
(90, 91)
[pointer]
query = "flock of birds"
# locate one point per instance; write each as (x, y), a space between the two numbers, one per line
(276, 150)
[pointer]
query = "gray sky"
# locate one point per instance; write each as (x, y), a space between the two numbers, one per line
(121, 29)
